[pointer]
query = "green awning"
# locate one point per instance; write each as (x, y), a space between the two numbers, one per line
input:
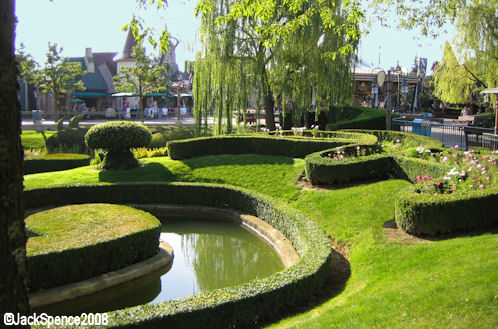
(159, 95)
(89, 94)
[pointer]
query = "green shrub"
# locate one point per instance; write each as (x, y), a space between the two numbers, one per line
(67, 140)
(409, 168)
(118, 137)
(323, 170)
(407, 139)
(362, 118)
(429, 214)
(240, 306)
(292, 147)
(54, 162)
(74, 122)
(76, 242)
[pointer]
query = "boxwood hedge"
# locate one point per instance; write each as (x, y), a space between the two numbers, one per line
(391, 136)
(55, 162)
(416, 213)
(427, 214)
(282, 143)
(73, 243)
(239, 306)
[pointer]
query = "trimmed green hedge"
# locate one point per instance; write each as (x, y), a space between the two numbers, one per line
(239, 306)
(391, 136)
(292, 147)
(73, 243)
(323, 170)
(420, 213)
(282, 143)
(367, 118)
(409, 168)
(55, 162)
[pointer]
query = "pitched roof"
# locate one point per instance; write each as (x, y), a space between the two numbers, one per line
(92, 81)
(125, 55)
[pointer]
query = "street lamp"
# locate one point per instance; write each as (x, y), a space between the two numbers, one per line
(404, 89)
(375, 92)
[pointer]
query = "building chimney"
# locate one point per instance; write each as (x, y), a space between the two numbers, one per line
(90, 64)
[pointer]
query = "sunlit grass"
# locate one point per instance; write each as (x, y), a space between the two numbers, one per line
(443, 284)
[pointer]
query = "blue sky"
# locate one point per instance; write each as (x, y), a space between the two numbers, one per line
(78, 24)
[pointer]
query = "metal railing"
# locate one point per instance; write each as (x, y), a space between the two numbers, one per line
(451, 135)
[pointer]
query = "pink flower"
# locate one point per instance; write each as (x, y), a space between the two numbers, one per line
(437, 183)
(481, 186)
(453, 187)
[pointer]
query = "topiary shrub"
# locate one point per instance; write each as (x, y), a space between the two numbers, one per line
(68, 140)
(117, 138)
(74, 122)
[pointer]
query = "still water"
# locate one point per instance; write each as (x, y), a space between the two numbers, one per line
(208, 254)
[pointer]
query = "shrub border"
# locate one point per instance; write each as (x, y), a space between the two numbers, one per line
(416, 213)
(119, 252)
(34, 166)
(238, 306)
(283, 143)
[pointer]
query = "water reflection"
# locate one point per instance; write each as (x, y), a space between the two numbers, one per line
(208, 254)
(211, 255)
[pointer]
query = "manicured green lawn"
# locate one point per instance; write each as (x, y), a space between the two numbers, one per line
(442, 284)
(32, 139)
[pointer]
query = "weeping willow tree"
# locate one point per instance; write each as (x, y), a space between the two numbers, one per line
(264, 53)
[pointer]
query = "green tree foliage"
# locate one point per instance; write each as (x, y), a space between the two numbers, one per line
(146, 77)
(266, 53)
(452, 83)
(57, 77)
(476, 24)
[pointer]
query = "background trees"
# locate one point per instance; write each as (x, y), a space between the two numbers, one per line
(57, 76)
(273, 52)
(146, 77)
(476, 41)
(452, 83)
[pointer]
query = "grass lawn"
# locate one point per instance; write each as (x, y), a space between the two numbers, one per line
(32, 139)
(449, 283)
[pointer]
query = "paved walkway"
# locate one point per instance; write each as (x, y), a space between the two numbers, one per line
(51, 125)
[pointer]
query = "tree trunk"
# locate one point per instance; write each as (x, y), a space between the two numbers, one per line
(268, 100)
(141, 107)
(13, 294)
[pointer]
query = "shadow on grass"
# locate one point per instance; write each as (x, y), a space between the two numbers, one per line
(236, 159)
(340, 271)
(395, 233)
(150, 172)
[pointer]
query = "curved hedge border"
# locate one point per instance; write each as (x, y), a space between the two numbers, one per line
(51, 162)
(389, 135)
(321, 169)
(58, 257)
(241, 305)
(415, 213)
(420, 213)
(287, 145)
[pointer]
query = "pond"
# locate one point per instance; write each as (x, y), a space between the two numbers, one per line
(208, 254)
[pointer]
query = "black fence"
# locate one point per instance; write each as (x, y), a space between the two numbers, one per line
(451, 135)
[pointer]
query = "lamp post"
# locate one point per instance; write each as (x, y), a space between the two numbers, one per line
(404, 88)
(375, 92)
(398, 72)
(389, 87)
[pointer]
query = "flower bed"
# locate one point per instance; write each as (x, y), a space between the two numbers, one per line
(445, 180)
